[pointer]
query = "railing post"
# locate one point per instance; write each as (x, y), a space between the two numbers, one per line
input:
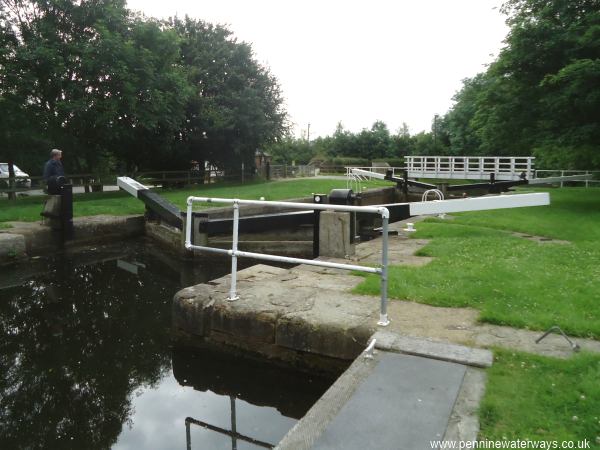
(188, 224)
(188, 436)
(383, 317)
(529, 168)
(233, 423)
(587, 181)
(234, 248)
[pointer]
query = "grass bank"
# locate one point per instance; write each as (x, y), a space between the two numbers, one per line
(27, 209)
(511, 280)
(542, 399)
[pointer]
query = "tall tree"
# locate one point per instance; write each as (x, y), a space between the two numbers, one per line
(105, 85)
(542, 94)
(237, 104)
(45, 71)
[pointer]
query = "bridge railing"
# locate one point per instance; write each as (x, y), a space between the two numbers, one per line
(235, 253)
(470, 167)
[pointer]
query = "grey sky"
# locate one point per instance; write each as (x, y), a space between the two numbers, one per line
(359, 61)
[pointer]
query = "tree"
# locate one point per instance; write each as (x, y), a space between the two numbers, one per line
(150, 92)
(237, 104)
(47, 67)
(289, 149)
(402, 141)
(106, 85)
(459, 120)
(541, 95)
(376, 142)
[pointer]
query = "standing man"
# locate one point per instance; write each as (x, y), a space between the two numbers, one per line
(53, 170)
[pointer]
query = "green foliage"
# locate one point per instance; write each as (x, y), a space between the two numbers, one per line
(369, 144)
(237, 104)
(345, 161)
(539, 398)
(462, 135)
(103, 84)
(542, 93)
(393, 162)
(511, 280)
(288, 150)
(376, 143)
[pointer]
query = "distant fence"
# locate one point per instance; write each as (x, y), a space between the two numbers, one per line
(287, 171)
(95, 183)
(541, 174)
(164, 179)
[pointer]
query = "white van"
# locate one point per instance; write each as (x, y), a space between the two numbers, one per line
(23, 179)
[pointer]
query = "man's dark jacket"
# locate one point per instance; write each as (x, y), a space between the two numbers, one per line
(53, 168)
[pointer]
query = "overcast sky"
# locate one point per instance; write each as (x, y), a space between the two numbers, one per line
(358, 61)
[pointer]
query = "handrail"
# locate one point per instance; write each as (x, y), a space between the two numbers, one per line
(235, 253)
(470, 167)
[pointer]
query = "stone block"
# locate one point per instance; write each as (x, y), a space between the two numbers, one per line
(336, 325)
(243, 323)
(335, 340)
(192, 308)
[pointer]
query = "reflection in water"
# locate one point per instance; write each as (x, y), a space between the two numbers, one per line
(85, 361)
(235, 436)
(291, 393)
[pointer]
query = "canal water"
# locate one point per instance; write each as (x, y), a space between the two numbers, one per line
(86, 361)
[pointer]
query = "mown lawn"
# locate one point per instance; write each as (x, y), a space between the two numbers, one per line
(511, 280)
(27, 209)
(542, 399)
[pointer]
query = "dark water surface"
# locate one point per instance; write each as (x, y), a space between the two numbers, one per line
(86, 361)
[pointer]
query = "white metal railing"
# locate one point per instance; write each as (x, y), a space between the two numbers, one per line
(470, 167)
(235, 253)
(354, 180)
(456, 170)
(589, 177)
(355, 176)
